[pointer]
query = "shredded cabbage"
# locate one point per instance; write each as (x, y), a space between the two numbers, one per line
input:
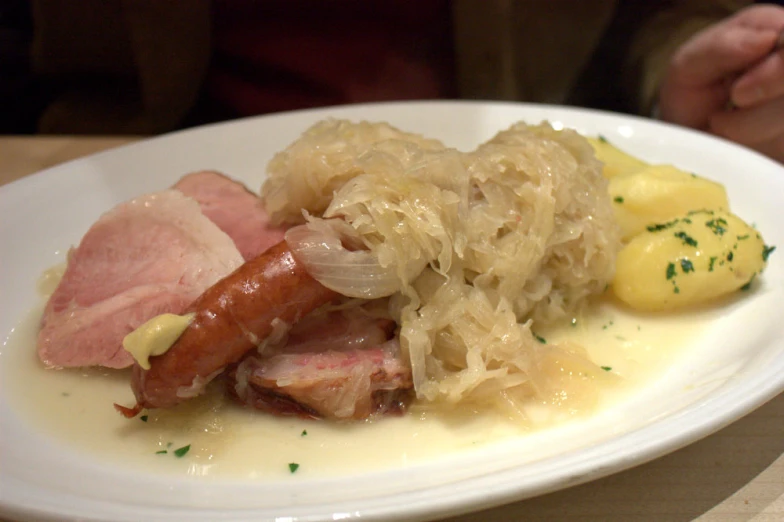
(473, 247)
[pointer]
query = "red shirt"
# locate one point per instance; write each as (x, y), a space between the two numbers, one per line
(273, 55)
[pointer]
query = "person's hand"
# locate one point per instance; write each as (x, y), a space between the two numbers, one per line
(729, 80)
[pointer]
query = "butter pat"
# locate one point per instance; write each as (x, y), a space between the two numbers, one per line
(155, 337)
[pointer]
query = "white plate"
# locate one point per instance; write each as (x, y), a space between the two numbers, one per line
(738, 367)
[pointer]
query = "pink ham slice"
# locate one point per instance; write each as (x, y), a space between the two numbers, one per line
(235, 210)
(338, 366)
(152, 255)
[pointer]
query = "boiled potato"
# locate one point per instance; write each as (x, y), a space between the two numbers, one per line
(688, 261)
(615, 160)
(661, 193)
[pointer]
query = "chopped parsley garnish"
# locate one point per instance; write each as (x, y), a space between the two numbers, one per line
(65, 394)
(670, 270)
(741, 238)
(540, 339)
(606, 368)
(712, 262)
(767, 251)
(618, 199)
(161, 452)
(143, 418)
(686, 238)
(730, 256)
(602, 139)
(293, 466)
(747, 286)
(656, 227)
(718, 226)
(304, 432)
(676, 290)
(180, 452)
(687, 266)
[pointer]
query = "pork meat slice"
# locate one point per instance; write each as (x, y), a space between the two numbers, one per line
(151, 255)
(235, 209)
(337, 365)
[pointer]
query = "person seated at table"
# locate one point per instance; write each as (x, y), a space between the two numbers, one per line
(145, 67)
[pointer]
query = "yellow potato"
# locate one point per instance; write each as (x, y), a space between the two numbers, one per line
(688, 261)
(615, 160)
(661, 193)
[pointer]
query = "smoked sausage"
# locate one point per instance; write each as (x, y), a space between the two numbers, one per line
(232, 317)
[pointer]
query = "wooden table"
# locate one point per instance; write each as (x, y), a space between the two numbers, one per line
(736, 474)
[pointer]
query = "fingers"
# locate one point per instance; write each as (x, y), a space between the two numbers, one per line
(761, 83)
(691, 107)
(760, 127)
(719, 52)
(766, 17)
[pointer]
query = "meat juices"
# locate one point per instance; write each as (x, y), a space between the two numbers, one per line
(236, 210)
(232, 318)
(151, 255)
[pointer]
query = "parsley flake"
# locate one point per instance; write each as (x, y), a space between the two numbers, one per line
(602, 139)
(143, 418)
(656, 227)
(718, 226)
(180, 452)
(686, 238)
(540, 339)
(606, 368)
(618, 199)
(767, 251)
(161, 452)
(687, 266)
(730, 256)
(670, 271)
(293, 466)
(304, 432)
(712, 262)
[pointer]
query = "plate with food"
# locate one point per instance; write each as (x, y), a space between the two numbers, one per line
(379, 311)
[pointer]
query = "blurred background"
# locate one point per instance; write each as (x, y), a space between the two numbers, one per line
(147, 66)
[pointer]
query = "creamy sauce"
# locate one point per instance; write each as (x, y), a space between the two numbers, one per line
(225, 440)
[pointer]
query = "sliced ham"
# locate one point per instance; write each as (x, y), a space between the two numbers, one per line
(152, 255)
(236, 210)
(337, 365)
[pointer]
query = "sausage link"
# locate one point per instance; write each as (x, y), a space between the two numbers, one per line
(231, 317)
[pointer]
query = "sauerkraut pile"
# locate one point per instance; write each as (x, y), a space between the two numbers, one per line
(468, 250)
